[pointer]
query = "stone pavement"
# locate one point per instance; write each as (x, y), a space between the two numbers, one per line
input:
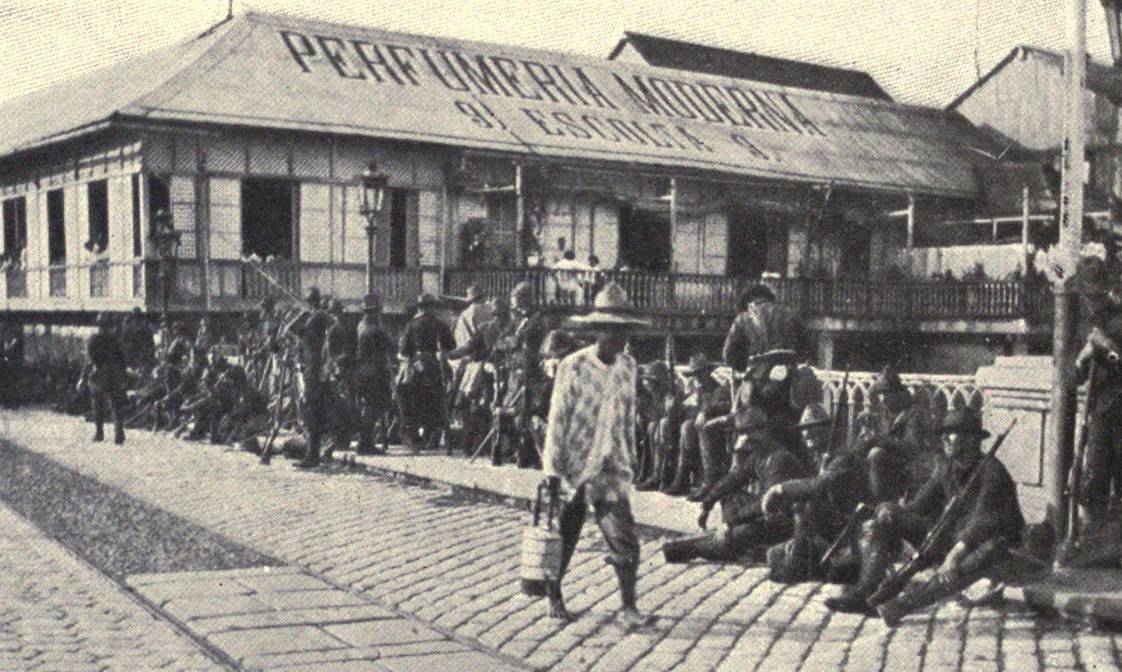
(453, 562)
(270, 618)
(58, 614)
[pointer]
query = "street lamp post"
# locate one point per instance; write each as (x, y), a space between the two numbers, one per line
(373, 194)
(166, 239)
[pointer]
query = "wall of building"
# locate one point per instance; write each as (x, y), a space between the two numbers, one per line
(115, 161)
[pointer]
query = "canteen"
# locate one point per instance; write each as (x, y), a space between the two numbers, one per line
(541, 550)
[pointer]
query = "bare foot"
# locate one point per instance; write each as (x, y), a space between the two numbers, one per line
(631, 619)
(557, 610)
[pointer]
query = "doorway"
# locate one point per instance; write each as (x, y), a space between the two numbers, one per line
(644, 240)
(855, 244)
(748, 243)
(268, 221)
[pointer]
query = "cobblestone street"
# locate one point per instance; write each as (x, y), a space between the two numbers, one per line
(452, 562)
(58, 614)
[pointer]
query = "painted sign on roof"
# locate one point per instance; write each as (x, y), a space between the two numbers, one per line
(284, 73)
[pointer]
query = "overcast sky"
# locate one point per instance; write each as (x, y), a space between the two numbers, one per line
(921, 51)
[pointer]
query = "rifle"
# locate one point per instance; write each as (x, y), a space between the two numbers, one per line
(892, 585)
(1075, 472)
(843, 402)
(267, 449)
(855, 519)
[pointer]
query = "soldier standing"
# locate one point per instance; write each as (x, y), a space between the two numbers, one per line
(761, 325)
(375, 357)
(310, 328)
(107, 378)
(590, 445)
(422, 399)
(472, 318)
(991, 524)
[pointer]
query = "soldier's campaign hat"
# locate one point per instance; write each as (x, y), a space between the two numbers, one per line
(755, 292)
(558, 344)
(655, 370)
(500, 304)
(313, 295)
(522, 296)
(964, 420)
(474, 293)
(699, 364)
(887, 382)
(371, 303)
(611, 308)
(773, 358)
(814, 415)
(427, 300)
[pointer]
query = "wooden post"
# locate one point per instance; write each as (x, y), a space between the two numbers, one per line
(519, 217)
(911, 221)
(1025, 223)
(1058, 454)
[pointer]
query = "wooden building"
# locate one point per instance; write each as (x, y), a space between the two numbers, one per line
(686, 186)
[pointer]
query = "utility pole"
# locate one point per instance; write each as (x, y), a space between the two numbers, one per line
(1058, 457)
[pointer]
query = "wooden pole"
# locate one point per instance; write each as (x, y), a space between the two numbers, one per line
(519, 217)
(1057, 458)
(1025, 224)
(911, 221)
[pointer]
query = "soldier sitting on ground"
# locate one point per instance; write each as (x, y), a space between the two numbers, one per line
(657, 400)
(701, 450)
(895, 440)
(975, 542)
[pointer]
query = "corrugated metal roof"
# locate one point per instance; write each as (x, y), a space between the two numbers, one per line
(278, 72)
(680, 55)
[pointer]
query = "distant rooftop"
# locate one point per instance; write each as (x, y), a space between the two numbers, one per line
(669, 53)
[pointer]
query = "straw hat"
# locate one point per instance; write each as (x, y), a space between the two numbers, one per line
(611, 308)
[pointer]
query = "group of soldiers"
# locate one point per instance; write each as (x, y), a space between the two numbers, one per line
(790, 488)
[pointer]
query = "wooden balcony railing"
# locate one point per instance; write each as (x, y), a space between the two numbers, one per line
(57, 281)
(670, 293)
(99, 279)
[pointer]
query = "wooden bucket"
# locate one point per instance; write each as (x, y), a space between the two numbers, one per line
(541, 551)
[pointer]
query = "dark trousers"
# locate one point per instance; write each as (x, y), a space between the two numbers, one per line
(1103, 463)
(107, 401)
(616, 524)
(315, 418)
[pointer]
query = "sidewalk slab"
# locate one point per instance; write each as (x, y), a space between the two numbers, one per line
(1094, 594)
(264, 618)
(651, 509)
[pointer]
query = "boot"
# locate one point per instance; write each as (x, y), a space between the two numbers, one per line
(119, 436)
(708, 470)
(653, 479)
(852, 600)
(680, 551)
(681, 483)
(99, 434)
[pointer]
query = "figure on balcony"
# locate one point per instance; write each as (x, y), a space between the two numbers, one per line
(421, 386)
(761, 325)
(106, 378)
